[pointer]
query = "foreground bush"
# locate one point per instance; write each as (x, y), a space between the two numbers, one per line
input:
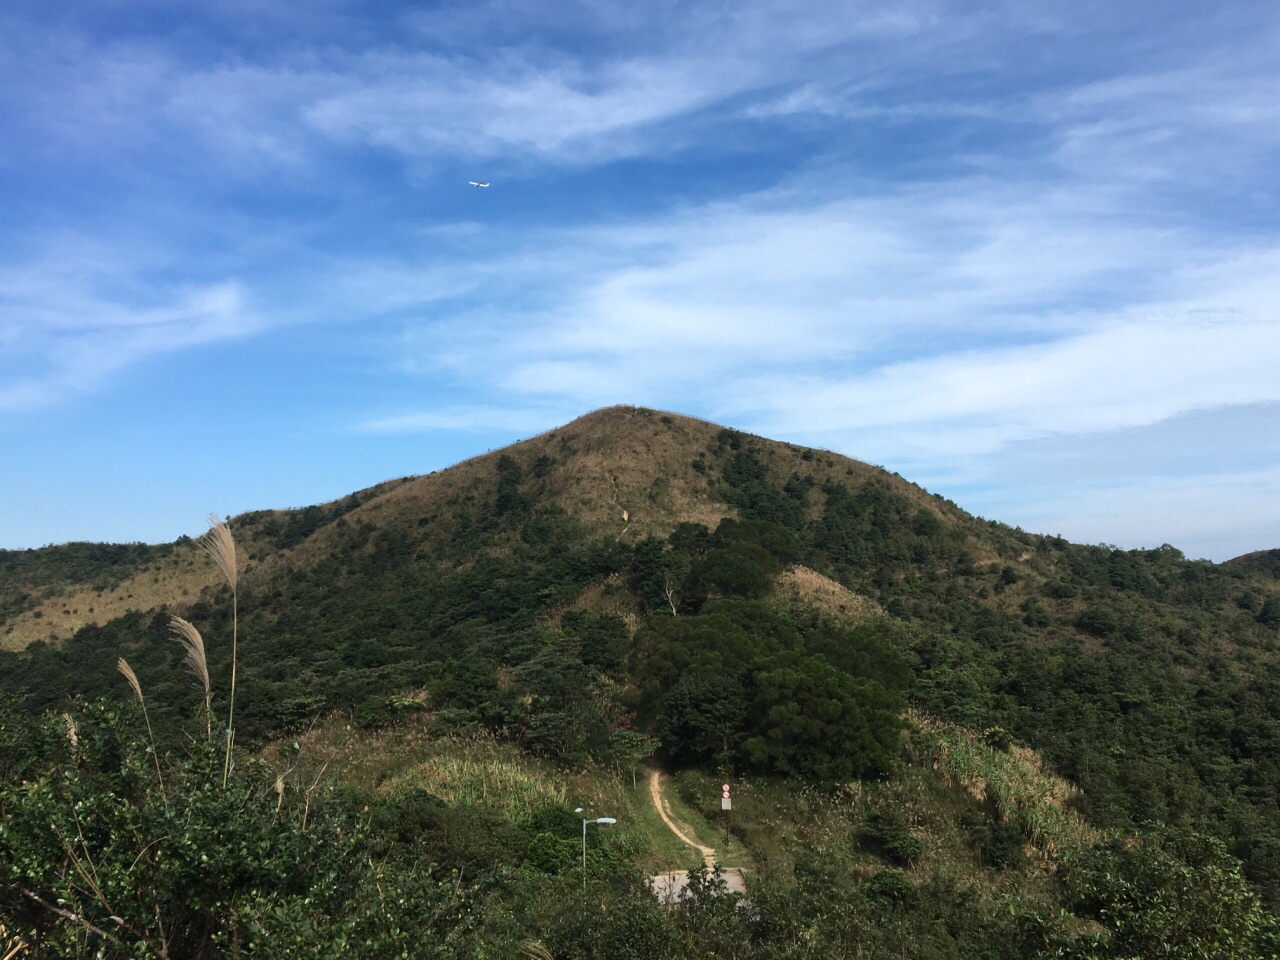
(108, 851)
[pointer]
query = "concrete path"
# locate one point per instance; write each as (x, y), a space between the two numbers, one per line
(670, 886)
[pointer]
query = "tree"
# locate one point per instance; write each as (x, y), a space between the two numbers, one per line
(703, 719)
(629, 747)
(1269, 615)
(811, 720)
(567, 712)
(1170, 894)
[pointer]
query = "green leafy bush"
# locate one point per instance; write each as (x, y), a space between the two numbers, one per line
(888, 834)
(891, 885)
(102, 856)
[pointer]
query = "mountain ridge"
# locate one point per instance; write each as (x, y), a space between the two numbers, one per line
(621, 471)
(634, 569)
(608, 478)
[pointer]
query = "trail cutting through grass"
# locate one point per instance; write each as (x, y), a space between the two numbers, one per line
(670, 886)
(664, 811)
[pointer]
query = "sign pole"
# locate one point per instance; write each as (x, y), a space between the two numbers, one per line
(726, 804)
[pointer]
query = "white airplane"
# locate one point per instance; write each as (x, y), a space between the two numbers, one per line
(475, 184)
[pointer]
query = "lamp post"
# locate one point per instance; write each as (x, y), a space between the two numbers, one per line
(585, 821)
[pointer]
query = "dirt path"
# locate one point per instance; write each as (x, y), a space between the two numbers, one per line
(664, 811)
(670, 886)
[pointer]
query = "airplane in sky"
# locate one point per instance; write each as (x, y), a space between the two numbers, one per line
(475, 184)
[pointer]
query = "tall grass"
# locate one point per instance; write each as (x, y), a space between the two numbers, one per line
(193, 644)
(73, 735)
(12, 944)
(127, 672)
(1024, 790)
(221, 548)
(483, 773)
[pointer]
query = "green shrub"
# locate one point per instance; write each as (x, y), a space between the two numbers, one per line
(551, 854)
(889, 836)
(891, 885)
(1002, 846)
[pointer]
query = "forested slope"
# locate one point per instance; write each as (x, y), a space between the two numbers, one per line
(618, 578)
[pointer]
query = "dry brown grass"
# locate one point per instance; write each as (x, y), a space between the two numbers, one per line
(624, 472)
(801, 587)
(610, 597)
(177, 579)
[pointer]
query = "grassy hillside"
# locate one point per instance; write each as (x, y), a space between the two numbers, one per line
(762, 609)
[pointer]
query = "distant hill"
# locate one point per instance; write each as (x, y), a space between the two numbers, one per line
(1262, 561)
(624, 472)
(643, 556)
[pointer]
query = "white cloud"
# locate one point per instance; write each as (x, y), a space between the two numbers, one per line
(891, 310)
(1130, 374)
(473, 418)
(71, 321)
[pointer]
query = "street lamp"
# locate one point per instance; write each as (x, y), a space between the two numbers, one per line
(585, 821)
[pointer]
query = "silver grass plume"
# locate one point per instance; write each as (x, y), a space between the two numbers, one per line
(221, 547)
(186, 634)
(72, 735)
(127, 671)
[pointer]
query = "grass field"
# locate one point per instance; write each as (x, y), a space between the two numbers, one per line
(775, 825)
(496, 776)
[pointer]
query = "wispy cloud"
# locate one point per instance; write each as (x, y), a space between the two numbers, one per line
(70, 322)
(1201, 125)
(929, 236)
(510, 97)
(914, 296)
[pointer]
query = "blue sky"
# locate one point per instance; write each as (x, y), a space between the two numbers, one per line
(1024, 254)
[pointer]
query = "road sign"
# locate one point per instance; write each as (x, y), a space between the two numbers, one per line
(726, 803)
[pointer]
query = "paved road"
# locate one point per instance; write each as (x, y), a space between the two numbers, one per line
(670, 886)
